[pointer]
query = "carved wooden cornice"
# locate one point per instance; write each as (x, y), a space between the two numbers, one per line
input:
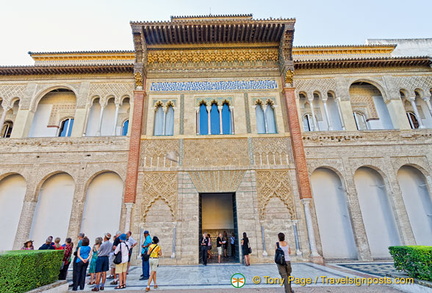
(66, 69)
(363, 62)
(212, 55)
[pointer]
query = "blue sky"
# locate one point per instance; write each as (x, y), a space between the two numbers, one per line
(53, 25)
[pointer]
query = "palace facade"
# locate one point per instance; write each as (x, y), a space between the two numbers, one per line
(219, 123)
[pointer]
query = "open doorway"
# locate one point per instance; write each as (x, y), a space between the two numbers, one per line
(218, 215)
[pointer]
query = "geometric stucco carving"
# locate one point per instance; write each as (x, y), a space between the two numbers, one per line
(274, 183)
(217, 181)
(215, 152)
(159, 185)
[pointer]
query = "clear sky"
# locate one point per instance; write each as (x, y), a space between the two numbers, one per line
(88, 25)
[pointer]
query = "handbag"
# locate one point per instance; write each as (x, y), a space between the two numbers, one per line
(118, 257)
(249, 248)
(146, 256)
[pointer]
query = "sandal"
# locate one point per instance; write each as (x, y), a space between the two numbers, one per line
(118, 287)
(123, 286)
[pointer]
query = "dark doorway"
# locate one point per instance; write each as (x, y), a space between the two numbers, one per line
(218, 214)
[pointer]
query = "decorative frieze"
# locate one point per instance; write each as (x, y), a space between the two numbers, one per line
(223, 85)
(212, 55)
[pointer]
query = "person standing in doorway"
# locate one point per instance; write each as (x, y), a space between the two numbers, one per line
(232, 243)
(204, 246)
(285, 270)
(219, 245)
(225, 244)
(245, 249)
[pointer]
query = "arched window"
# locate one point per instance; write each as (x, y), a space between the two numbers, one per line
(203, 119)
(125, 127)
(7, 129)
(307, 122)
(214, 119)
(164, 121)
(66, 127)
(412, 120)
(159, 120)
(226, 119)
(169, 121)
(260, 120)
(265, 119)
(270, 118)
(360, 120)
(217, 121)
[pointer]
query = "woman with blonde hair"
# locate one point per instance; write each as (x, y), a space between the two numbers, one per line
(92, 269)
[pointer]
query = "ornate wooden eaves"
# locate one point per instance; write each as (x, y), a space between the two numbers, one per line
(364, 62)
(65, 69)
(212, 31)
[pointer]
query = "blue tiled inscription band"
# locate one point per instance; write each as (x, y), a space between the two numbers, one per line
(213, 85)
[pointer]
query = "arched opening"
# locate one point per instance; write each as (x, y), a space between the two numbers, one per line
(53, 209)
(334, 221)
(203, 119)
(52, 109)
(103, 204)
(66, 127)
(7, 129)
(377, 212)
(367, 99)
(125, 127)
(12, 193)
(215, 122)
(334, 112)
(418, 203)
(93, 118)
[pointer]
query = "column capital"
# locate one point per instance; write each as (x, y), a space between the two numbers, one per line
(426, 98)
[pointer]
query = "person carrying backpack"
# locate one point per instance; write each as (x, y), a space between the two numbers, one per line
(283, 261)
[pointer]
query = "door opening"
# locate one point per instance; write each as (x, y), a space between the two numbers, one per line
(218, 215)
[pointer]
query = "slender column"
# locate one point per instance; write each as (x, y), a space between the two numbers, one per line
(134, 147)
(129, 207)
(232, 119)
(3, 117)
(326, 113)
(164, 120)
(264, 107)
(116, 118)
(310, 229)
(263, 241)
(98, 133)
(198, 125)
(340, 112)
(296, 239)
(428, 103)
(209, 118)
(314, 123)
(220, 119)
(173, 254)
(416, 113)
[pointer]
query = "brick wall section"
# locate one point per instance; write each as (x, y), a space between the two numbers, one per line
(134, 147)
(297, 144)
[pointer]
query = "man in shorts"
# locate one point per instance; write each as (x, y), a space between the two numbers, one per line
(102, 262)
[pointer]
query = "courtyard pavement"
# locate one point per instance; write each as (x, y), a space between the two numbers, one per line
(264, 278)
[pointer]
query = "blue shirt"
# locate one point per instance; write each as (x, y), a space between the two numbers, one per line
(147, 241)
(84, 253)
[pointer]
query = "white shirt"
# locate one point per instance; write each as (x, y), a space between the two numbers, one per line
(124, 251)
